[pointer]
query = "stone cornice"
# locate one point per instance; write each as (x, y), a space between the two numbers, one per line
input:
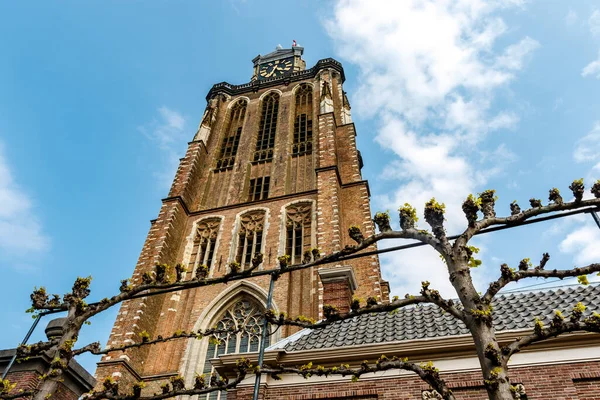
(179, 200)
(254, 86)
(336, 273)
(122, 362)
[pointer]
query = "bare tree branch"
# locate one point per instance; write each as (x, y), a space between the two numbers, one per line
(508, 275)
(426, 372)
(428, 296)
(522, 216)
(32, 350)
(95, 348)
(176, 386)
(159, 281)
(332, 315)
(17, 395)
(558, 326)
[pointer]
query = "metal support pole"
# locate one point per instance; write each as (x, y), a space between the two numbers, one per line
(14, 357)
(596, 218)
(263, 337)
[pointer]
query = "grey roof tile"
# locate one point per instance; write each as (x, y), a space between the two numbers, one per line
(511, 311)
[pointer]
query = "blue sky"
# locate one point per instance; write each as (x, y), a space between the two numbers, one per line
(99, 99)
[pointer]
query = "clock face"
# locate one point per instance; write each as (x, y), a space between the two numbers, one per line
(275, 68)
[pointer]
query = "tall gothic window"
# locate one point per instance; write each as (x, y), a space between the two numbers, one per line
(303, 129)
(259, 188)
(266, 130)
(244, 313)
(298, 231)
(250, 237)
(205, 241)
(231, 140)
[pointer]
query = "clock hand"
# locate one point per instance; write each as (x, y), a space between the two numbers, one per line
(275, 69)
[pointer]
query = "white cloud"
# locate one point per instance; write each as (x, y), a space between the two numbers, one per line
(571, 17)
(583, 241)
(172, 118)
(515, 55)
(429, 72)
(20, 229)
(167, 132)
(588, 147)
(583, 244)
(592, 68)
(594, 22)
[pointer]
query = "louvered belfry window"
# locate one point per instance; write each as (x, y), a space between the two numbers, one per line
(205, 241)
(303, 128)
(250, 237)
(298, 231)
(231, 140)
(265, 141)
(246, 313)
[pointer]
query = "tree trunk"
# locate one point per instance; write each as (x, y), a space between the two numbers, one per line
(495, 374)
(49, 385)
(478, 318)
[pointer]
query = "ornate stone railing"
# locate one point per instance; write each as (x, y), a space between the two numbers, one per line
(256, 85)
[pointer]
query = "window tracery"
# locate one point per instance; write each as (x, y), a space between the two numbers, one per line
(245, 313)
(298, 230)
(250, 237)
(205, 240)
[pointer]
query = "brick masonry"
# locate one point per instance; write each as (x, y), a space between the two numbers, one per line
(576, 381)
(338, 294)
(330, 178)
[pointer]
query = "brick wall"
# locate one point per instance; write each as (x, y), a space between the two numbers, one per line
(29, 380)
(338, 294)
(577, 381)
(25, 380)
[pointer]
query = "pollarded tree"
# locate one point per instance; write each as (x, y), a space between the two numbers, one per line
(472, 308)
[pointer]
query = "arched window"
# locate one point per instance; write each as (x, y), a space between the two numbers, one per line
(231, 140)
(245, 312)
(250, 237)
(298, 223)
(205, 241)
(303, 129)
(267, 128)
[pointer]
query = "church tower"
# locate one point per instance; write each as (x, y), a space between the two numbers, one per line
(272, 169)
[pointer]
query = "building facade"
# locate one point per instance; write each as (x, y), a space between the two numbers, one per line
(272, 169)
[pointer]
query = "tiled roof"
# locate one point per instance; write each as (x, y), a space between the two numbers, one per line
(511, 311)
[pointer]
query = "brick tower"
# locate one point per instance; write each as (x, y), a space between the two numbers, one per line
(273, 168)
